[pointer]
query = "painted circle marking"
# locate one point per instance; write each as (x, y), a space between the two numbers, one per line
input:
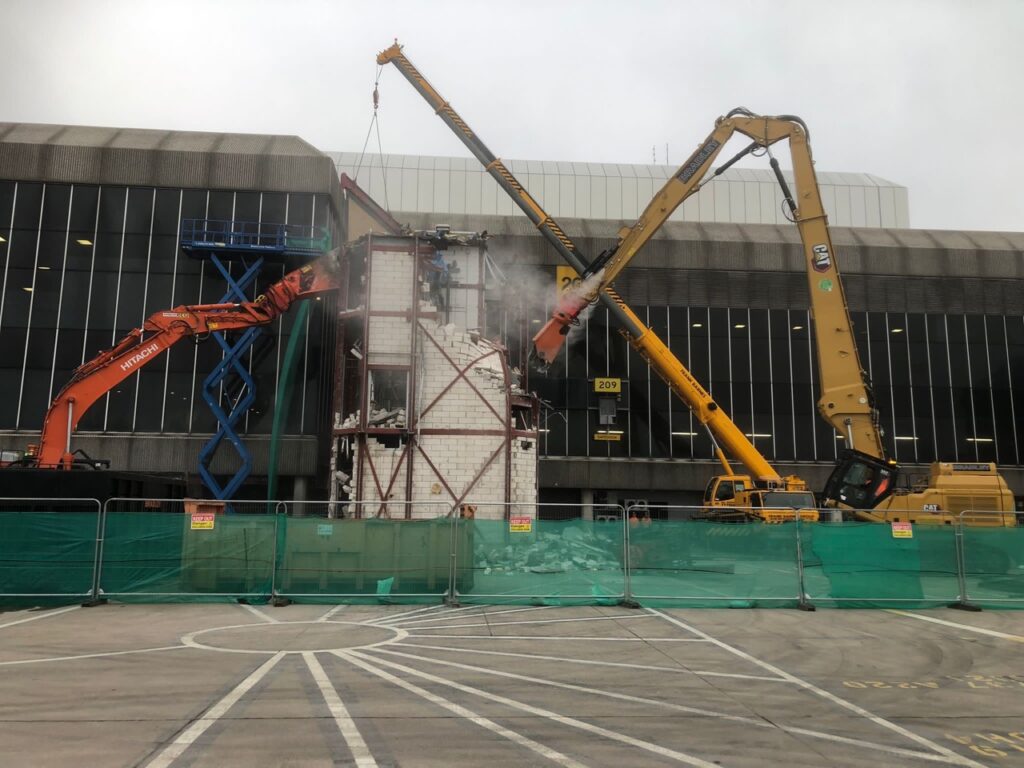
(287, 637)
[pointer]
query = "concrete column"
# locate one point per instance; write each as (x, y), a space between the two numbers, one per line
(300, 490)
(587, 499)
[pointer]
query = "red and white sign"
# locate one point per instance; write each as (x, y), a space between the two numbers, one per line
(203, 521)
(902, 531)
(520, 524)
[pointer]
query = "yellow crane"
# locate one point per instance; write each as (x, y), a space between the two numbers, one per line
(759, 493)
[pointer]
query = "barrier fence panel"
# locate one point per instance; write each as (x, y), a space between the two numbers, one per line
(544, 554)
(368, 552)
(47, 550)
(167, 550)
(680, 559)
(993, 561)
(865, 565)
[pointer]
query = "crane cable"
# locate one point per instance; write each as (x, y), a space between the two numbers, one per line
(375, 123)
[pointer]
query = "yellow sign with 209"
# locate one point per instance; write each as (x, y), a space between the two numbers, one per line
(607, 385)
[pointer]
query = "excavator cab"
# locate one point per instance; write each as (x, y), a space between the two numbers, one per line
(860, 481)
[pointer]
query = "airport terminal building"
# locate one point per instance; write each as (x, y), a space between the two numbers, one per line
(91, 219)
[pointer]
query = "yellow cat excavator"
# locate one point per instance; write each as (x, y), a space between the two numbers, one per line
(864, 480)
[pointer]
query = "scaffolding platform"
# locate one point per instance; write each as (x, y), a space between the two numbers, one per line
(201, 238)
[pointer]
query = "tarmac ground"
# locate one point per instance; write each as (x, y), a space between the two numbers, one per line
(313, 685)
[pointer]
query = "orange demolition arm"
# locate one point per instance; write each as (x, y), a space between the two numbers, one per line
(162, 330)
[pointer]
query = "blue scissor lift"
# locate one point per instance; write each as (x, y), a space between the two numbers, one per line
(252, 243)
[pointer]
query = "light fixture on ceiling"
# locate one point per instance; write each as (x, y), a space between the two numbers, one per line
(698, 325)
(979, 439)
(904, 437)
(685, 434)
(739, 325)
(897, 330)
(83, 241)
(757, 434)
(798, 327)
(26, 288)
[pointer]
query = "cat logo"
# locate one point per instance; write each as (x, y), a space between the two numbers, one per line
(822, 260)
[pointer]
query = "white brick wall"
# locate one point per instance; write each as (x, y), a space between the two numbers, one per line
(459, 458)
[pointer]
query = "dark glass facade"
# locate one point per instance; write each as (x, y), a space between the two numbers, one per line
(82, 265)
(947, 386)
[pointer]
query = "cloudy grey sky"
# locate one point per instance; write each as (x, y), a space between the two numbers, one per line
(925, 93)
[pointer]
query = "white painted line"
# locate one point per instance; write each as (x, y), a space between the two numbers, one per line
(389, 617)
(956, 625)
(460, 711)
(633, 639)
(46, 615)
(751, 721)
(564, 660)
(255, 612)
(549, 715)
(539, 621)
(333, 611)
(347, 726)
(187, 737)
(482, 614)
(91, 655)
(881, 721)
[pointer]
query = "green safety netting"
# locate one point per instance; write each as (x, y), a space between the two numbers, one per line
(862, 565)
(367, 560)
(563, 562)
(705, 564)
(159, 557)
(994, 566)
(46, 557)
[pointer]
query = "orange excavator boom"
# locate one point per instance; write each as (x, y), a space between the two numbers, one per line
(158, 333)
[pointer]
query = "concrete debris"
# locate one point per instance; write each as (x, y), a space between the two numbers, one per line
(379, 417)
(573, 549)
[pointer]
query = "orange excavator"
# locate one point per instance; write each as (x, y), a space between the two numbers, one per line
(161, 331)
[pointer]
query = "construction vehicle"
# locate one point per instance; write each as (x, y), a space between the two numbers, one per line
(864, 480)
(141, 346)
(760, 493)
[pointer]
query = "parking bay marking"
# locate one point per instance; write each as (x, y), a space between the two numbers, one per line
(347, 726)
(547, 714)
(473, 717)
(756, 722)
(881, 721)
(46, 615)
(956, 625)
(565, 660)
(187, 737)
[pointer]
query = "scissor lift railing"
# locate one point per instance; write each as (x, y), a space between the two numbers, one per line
(203, 237)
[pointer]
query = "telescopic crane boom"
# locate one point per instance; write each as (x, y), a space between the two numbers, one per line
(726, 436)
(161, 331)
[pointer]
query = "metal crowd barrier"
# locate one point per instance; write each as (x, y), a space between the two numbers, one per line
(423, 551)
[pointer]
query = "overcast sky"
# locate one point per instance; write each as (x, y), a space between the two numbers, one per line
(926, 94)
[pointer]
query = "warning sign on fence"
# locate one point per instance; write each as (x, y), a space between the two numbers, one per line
(203, 521)
(902, 531)
(520, 524)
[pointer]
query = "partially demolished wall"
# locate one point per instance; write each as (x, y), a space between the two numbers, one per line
(431, 417)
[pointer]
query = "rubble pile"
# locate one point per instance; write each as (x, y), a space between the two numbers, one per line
(573, 549)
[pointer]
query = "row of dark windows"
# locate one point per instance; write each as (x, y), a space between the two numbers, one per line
(947, 386)
(82, 265)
